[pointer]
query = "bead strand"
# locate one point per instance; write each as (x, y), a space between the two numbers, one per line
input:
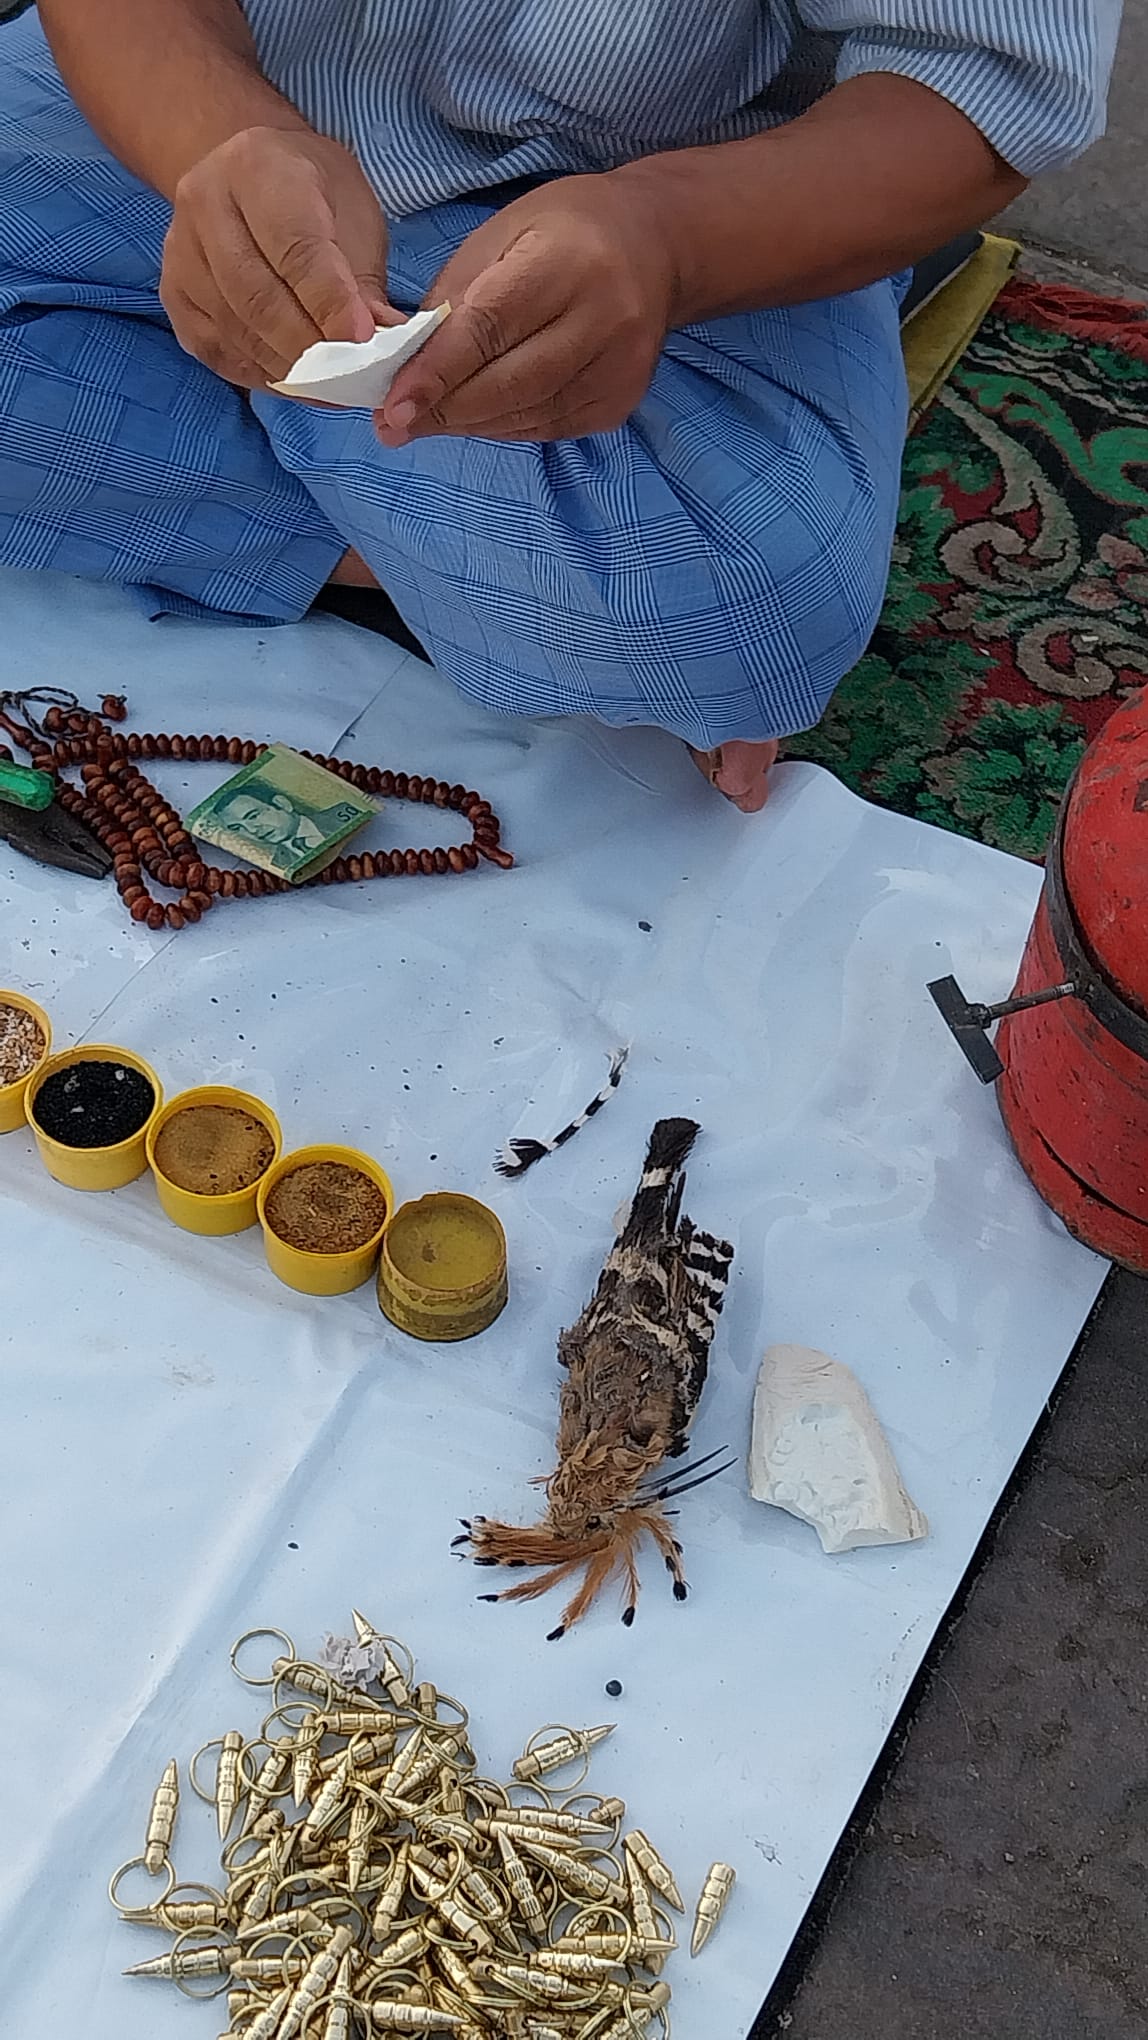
(145, 836)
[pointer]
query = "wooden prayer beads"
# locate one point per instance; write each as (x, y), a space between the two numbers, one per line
(144, 835)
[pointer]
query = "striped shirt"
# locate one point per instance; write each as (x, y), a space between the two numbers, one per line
(442, 97)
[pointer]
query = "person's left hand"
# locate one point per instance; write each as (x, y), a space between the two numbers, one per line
(561, 303)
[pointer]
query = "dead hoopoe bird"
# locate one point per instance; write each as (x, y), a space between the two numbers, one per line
(636, 1365)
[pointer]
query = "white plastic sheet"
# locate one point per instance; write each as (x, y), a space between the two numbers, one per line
(188, 1449)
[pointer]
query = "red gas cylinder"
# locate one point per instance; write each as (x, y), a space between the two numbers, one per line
(1074, 1092)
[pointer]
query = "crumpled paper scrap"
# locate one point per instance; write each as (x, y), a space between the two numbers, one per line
(357, 374)
(353, 1664)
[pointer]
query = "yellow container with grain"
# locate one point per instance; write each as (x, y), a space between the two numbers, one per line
(25, 1043)
(303, 1232)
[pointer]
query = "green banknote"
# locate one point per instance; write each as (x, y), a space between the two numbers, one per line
(282, 813)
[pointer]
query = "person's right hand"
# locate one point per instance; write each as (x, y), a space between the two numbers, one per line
(276, 241)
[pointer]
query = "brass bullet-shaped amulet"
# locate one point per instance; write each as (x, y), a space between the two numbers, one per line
(564, 1749)
(228, 1785)
(653, 1868)
(161, 1821)
(719, 1882)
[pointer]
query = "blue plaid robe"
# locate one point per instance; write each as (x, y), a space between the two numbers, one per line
(713, 568)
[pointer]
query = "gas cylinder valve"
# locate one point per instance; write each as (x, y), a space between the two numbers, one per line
(968, 1020)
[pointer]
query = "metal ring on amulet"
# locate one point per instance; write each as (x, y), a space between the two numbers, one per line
(280, 1637)
(140, 1863)
(199, 1937)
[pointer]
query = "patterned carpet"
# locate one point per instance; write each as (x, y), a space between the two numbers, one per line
(1017, 613)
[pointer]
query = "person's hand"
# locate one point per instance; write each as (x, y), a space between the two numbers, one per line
(561, 303)
(276, 241)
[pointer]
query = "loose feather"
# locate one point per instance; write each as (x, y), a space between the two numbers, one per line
(519, 1155)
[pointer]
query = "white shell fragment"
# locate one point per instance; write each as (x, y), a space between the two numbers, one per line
(818, 1451)
(357, 374)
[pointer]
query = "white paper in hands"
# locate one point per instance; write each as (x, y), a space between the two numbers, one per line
(358, 373)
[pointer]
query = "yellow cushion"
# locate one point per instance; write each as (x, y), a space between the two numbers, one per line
(935, 338)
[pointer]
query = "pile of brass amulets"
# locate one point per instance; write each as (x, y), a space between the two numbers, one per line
(408, 1894)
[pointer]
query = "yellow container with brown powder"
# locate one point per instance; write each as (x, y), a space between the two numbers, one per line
(323, 1211)
(209, 1150)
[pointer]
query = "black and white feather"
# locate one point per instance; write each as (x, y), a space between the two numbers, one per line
(519, 1155)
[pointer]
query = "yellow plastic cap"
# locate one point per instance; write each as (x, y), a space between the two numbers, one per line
(322, 1274)
(442, 1275)
(12, 1096)
(98, 1168)
(235, 1210)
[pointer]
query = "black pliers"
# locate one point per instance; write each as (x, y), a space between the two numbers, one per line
(54, 837)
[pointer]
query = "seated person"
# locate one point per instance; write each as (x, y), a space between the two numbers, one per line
(648, 469)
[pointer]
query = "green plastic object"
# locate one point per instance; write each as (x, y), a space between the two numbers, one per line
(25, 788)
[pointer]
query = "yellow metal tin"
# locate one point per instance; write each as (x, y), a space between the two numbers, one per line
(442, 1272)
(321, 1274)
(235, 1211)
(12, 1096)
(101, 1168)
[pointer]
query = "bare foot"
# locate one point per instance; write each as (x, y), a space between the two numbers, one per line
(740, 771)
(352, 572)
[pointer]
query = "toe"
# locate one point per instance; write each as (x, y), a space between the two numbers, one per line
(740, 771)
